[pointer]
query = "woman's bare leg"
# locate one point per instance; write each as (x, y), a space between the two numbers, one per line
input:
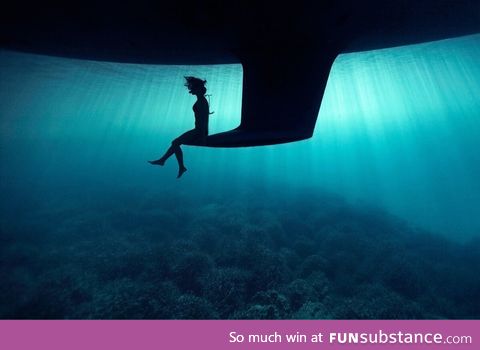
(188, 137)
(181, 166)
(161, 161)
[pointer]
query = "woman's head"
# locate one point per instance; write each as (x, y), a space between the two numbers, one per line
(195, 85)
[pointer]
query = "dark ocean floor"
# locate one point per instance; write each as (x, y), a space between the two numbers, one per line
(132, 254)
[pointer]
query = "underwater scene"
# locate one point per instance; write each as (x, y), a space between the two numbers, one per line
(377, 216)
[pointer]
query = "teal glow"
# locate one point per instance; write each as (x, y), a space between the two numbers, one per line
(398, 129)
(401, 128)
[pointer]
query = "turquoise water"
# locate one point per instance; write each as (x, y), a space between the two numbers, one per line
(398, 129)
(376, 216)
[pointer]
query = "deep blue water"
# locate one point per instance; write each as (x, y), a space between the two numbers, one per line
(376, 216)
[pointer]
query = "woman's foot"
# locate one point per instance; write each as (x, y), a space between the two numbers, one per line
(181, 171)
(157, 162)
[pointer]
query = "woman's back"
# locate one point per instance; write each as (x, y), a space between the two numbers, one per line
(201, 110)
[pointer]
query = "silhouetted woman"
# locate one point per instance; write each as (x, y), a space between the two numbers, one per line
(196, 136)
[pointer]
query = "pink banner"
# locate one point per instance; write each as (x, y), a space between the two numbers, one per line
(146, 335)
